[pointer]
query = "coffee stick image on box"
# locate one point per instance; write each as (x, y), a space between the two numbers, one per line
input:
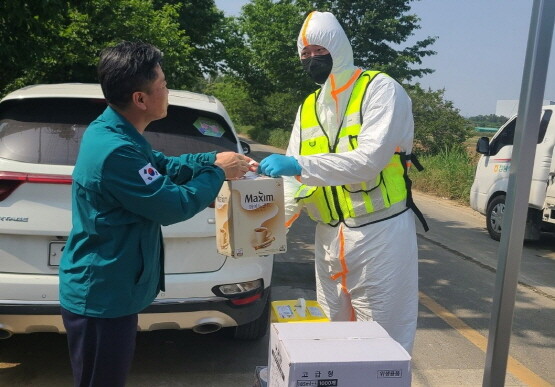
(262, 235)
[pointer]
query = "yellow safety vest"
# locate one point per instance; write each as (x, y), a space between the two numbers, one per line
(354, 204)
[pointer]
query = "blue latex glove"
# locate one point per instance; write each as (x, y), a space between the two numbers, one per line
(279, 165)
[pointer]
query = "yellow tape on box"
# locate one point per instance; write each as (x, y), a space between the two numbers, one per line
(299, 310)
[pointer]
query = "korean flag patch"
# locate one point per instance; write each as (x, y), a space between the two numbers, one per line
(149, 173)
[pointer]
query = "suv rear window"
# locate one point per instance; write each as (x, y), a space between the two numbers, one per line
(49, 130)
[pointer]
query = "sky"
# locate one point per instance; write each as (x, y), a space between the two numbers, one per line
(481, 48)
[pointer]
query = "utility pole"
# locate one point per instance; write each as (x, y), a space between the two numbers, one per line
(516, 207)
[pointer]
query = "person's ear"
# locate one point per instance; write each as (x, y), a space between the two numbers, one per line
(138, 99)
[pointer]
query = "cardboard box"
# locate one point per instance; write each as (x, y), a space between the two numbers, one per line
(344, 354)
(250, 217)
(299, 310)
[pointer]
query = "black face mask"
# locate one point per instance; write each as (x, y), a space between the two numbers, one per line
(318, 67)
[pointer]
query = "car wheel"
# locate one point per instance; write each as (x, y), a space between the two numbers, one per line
(255, 329)
(494, 216)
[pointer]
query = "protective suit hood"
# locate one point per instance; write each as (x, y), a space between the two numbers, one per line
(323, 29)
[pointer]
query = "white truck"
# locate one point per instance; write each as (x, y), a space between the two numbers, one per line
(489, 190)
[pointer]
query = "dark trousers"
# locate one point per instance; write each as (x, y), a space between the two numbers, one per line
(101, 349)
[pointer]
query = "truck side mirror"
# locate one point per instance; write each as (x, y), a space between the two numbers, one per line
(482, 146)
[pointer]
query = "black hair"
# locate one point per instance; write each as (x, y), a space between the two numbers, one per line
(126, 68)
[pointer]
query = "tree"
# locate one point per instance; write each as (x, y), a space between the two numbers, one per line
(488, 121)
(25, 36)
(74, 56)
(437, 123)
(261, 51)
(59, 41)
(204, 24)
(262, 48)
(233, 93)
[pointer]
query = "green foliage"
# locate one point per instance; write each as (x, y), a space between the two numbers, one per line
(488, 121)
(25, 32)
(203, 23)
(59, 41)
(82, 39)
(448, 174)
(232, 92)
(280, 110)
(263, 118)
(279, 138)
(437, 123)
(277, 111)
(262, 48)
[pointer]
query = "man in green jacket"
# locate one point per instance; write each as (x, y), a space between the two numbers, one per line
(123, 191)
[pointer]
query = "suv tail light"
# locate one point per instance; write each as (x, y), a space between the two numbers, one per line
(241, 293)
(9, 181)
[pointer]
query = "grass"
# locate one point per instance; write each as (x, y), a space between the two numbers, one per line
(448, 174)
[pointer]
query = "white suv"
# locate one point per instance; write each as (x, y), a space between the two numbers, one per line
(40, 131)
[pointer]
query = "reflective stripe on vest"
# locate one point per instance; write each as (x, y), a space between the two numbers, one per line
(333, 204)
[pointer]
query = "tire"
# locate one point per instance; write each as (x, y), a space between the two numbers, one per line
(494, 216)
(255, 329)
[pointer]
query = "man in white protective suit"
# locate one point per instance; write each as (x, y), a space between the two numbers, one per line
(349, 150)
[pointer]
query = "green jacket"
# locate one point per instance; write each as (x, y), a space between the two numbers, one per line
(123, 192)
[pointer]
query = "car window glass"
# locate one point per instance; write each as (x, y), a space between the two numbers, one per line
(506, 137)
(182, 132)
(45, 131)
(49, 130)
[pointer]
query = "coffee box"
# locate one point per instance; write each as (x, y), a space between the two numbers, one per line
(250, 217)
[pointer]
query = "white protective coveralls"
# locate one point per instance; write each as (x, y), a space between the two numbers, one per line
(380, 260)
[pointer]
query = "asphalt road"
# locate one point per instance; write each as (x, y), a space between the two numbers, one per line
(457, 262)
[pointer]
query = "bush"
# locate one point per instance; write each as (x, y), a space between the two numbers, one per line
(279, 138)
(448, 174)
(260, 134)
(280, 110)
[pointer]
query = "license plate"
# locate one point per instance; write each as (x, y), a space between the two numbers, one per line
(55, 251)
